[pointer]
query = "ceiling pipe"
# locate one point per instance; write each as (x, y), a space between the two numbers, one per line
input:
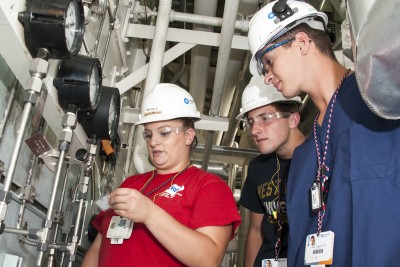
(203, 18)
(227, 31)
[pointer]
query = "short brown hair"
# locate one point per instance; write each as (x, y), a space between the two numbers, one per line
(319, 37)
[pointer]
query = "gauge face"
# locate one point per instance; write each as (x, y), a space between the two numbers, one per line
(112, 115)
(71, 25)
(94, 86)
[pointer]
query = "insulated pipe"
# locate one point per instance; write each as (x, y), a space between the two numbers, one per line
(158, 46)
(153, 75)
(227, 31)
(200, 55)
(242, 25)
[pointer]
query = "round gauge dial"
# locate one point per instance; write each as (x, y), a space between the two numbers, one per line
(94, 86)
(104, 120)
(112, 114)
(71, 25)
(79, 82)
(55, 25)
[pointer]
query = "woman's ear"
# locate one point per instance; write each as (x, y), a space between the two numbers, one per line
(189, 136)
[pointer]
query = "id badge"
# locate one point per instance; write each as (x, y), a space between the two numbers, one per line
(319, 249)
(281, 262)
(119, 228)
(316, 197)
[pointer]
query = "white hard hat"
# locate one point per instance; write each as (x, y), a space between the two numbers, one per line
(266, 26)
(258, 94)
(166, 102)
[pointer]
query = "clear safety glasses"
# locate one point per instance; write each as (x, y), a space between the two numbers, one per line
(264, 119)
(265, 66)
(162, 133)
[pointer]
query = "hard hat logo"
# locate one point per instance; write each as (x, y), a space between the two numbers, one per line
(271, 15)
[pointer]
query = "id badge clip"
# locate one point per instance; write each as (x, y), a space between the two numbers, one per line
(120, 228)
(316, 196)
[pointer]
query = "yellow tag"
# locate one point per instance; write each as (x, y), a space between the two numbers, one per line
(275, 214)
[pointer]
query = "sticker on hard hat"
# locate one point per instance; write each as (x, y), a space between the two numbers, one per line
(152, 112)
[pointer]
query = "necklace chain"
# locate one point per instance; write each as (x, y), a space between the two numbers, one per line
(323, 169)
(162, 184)
(279, 213)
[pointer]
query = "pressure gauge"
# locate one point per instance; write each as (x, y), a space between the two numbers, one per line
(71, 25)
(56, 25)
(103, 122)
(78, 82)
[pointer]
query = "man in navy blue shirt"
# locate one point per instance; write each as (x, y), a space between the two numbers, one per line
(344, 181)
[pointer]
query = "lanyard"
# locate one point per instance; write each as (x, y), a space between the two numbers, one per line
(162, 184)
(322, 177)
(278, 216)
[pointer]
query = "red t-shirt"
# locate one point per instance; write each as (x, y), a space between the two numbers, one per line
(204, 199)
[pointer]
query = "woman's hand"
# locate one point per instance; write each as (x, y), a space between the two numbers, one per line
(131, 204)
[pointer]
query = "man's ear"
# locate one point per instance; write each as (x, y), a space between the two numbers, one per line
(303, 42)
(189, 136)
(294, 120)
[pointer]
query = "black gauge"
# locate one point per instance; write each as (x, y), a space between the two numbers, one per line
(56, 25)
(103, 122)
(78, 82)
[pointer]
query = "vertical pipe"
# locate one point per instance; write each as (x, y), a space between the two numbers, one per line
(227, 31)
(154, 72)
(11, 169)
(51, 259)
(158, 46)
(51, 205)
(224, 51)
(200, 54)
(23, 205)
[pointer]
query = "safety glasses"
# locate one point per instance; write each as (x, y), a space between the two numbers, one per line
(264, 119)
(264, 67)
(162, 133)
